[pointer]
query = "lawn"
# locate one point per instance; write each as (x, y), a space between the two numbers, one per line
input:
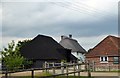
(55, 77)
(73, 77)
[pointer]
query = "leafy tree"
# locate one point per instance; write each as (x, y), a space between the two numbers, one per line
(12, 58)
(27, 63)
(22, 43)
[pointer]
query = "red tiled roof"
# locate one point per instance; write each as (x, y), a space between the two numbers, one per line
(107, 47)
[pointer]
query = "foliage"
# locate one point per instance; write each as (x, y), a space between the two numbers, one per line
(22, 43)
(12, 58)
(64, 61)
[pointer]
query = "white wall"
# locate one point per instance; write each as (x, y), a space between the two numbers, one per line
(80, 56)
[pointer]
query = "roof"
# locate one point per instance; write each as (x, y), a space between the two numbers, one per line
(72, 44)
(44, 47)
(107, 47)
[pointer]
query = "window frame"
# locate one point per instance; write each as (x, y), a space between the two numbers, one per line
(103, 59)
(114, 60)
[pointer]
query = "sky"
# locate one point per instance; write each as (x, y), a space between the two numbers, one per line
(89, 21)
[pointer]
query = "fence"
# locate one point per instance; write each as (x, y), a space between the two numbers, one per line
(63, 69)
(104, 67)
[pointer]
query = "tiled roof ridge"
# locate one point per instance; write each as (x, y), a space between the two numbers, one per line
(113, 36)
(70, 39)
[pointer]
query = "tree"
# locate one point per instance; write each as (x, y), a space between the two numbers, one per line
(27, 63)
(22, 43)
(12, 58)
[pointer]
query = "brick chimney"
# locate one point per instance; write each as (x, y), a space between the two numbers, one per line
(62, 37)
(70, 35)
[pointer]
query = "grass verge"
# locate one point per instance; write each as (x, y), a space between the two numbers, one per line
(55, 77)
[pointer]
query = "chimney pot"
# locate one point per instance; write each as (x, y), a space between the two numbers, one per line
(61, 37)
(70, 35)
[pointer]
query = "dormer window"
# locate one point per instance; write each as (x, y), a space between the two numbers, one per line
(104, 59)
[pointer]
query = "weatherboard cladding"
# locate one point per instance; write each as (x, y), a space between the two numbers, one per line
(72, 44)
(110, 46)
(45, 48)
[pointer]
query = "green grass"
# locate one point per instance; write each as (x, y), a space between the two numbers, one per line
(74, 77)
(43, 74)
(55, 77)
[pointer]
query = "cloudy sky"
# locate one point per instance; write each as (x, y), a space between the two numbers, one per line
(89, 21)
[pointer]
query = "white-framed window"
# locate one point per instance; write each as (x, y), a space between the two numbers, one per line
(103, 59)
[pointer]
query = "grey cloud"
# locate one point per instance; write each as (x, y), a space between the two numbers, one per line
(29, 19)
(78, 28)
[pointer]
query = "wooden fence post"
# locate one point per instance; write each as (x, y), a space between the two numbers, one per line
(32, 73)
(86, 66)
(109, 67)
(93, 66)
(79, 70)
(48, 66)
(53, 68)
(45, 66)
(74, 68)
(89, 71)
(67, 70)
(62, 68)
(6, 74)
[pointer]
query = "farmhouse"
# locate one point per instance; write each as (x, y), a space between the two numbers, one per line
(77, 50)
(44, 48)
(106, 53)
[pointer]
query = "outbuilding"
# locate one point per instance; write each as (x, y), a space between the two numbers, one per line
(44, 48)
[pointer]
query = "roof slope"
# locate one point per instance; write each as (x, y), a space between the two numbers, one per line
(72, 44)
(43, 47)
(107, 47)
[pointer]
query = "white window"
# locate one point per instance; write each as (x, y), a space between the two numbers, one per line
(103, 59)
